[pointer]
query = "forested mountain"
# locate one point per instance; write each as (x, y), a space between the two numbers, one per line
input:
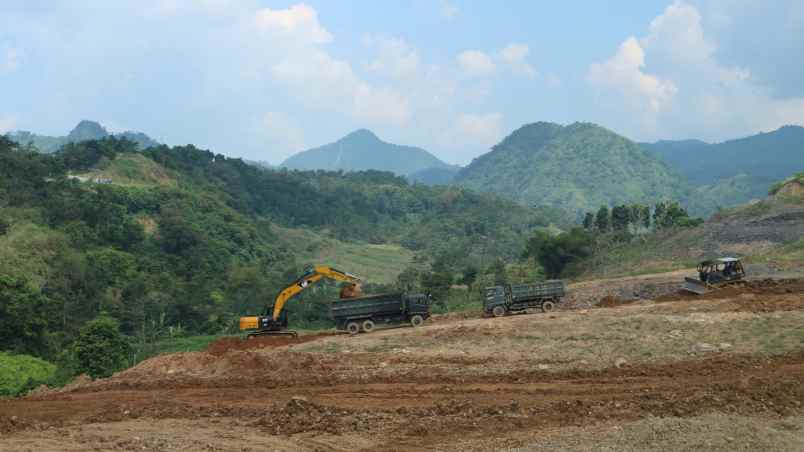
(736, 171)
(362, 150)
(578, 167)
(187, 239)
(84, 131)
(765, 157)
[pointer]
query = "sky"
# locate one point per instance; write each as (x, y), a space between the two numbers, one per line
(266, 79)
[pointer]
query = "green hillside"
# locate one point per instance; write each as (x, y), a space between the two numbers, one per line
(362, 150)
(768, 230)
(183, 241)
(578, 167)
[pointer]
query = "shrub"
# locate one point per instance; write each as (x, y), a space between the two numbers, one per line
(101, 349)
(20, 373)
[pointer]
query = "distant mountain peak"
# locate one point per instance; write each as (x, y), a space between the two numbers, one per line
(361, 134)
(363, 150)
(87, 130)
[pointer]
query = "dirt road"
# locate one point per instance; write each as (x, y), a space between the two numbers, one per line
(520, 382)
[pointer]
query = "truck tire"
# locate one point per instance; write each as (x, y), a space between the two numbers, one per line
(498, 311)
(368, 326)
(548, 306)
(353, 327)
(416, 320)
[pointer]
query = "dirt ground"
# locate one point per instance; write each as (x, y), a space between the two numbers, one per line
(720, 372)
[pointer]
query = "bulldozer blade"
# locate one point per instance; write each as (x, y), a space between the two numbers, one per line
(695, 286)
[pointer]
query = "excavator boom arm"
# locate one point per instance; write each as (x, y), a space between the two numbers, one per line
(311, 276)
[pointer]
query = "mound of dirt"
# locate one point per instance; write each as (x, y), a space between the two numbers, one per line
(227, 344)
(610, 301)
(762, 287)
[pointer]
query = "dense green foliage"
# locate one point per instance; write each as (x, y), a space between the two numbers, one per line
(576, 168)
(100, 348)
(362, 150)
(20, 373)
(84, 131)
(557, 253)
(188, 257)
(638, 218)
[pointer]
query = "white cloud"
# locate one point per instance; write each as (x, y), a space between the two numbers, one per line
(624, 73)
(476, 63)
(672, 83)
(515, 56)
(395, 58)
(473, 131)
(448, 10)
(9, 59)
(299, 22)
(7, 124)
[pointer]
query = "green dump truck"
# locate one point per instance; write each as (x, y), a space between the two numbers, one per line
(501, 300)
(365, 313)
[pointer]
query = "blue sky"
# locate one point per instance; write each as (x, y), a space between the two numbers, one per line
(264, 79)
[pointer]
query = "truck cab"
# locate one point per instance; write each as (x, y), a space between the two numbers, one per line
(495, 296)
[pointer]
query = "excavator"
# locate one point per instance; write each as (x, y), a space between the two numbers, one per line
(274, 320)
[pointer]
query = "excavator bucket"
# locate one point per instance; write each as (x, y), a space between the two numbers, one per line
(695, 286)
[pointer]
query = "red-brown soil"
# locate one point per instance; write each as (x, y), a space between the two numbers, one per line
(397, 400)
(225, 344)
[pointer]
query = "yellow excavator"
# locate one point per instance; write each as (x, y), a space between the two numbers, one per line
(274, 321)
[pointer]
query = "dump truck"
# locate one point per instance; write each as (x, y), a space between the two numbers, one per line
(501, 300)
(715, 273)
(365, 313)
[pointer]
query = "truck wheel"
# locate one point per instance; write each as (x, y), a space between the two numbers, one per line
(498, 311)
(548, 306)
(353, 327)
(368, 326)
(416, 320)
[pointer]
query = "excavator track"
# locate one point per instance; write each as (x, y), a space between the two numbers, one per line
(294, 334)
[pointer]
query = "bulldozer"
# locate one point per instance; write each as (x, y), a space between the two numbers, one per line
(274, 320)
(714, 274)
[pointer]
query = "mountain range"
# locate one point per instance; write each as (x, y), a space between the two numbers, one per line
(734, 171)
(363, 150)
(84, 131)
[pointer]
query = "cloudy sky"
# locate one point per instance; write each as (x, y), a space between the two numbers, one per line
(264, 79)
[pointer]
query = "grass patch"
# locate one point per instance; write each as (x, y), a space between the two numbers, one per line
(21, 373)
(377, 263)
(133, 170)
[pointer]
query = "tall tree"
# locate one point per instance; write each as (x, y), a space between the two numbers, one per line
(556, 252)
(602, 219)
(589, 221)
(620, 217)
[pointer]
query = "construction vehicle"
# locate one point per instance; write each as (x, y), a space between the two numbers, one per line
(501, 300)
(274, 319)
(364, 313)
(715, 273)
